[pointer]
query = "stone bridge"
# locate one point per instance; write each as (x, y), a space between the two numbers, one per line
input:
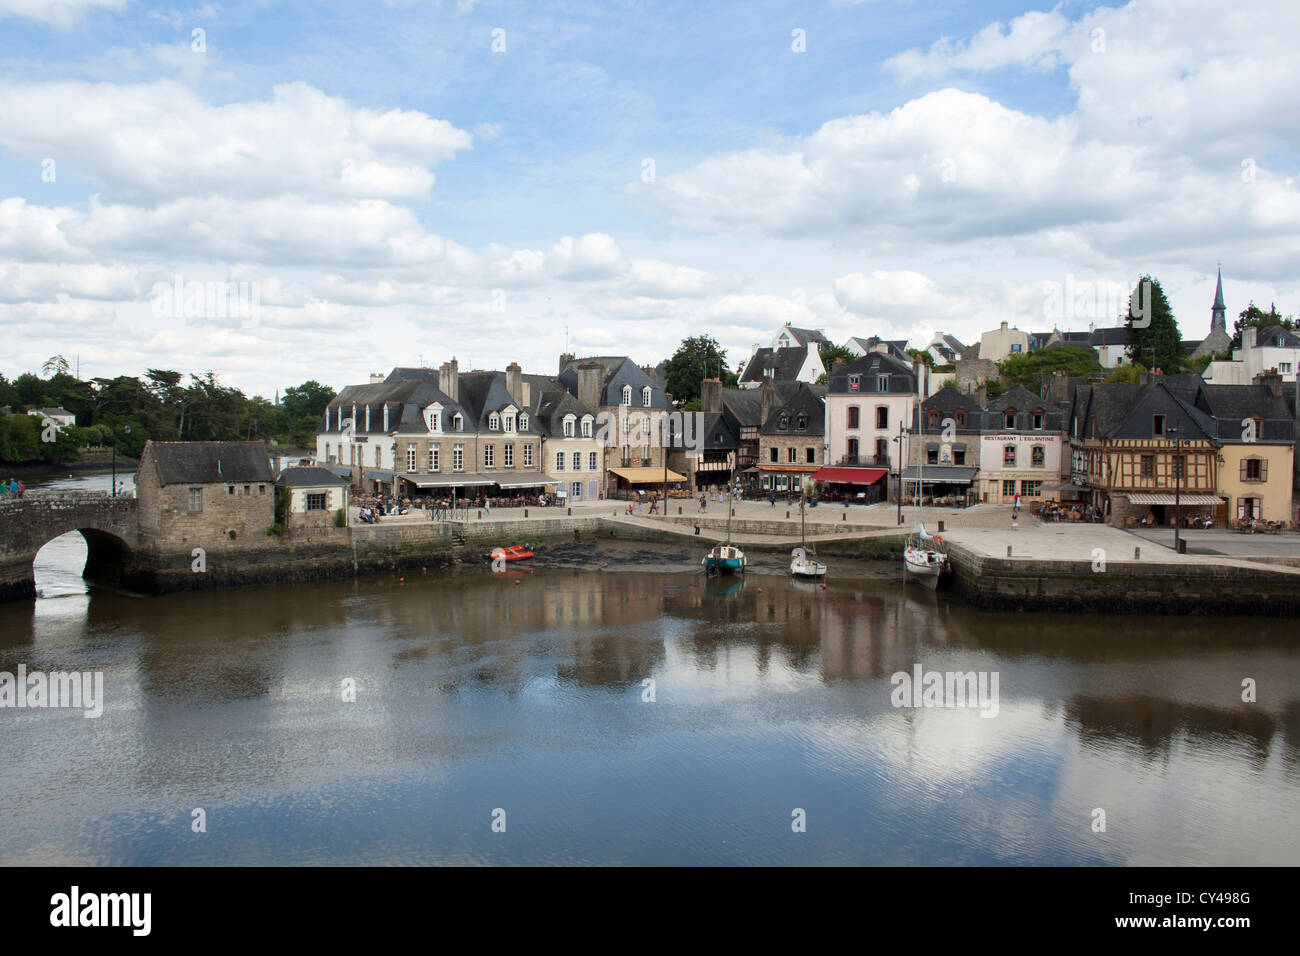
(109, 525)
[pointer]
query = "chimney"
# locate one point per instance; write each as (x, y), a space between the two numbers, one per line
(565, 359)
(527, 397)
(591, 379)
(1249, 338)
(1272, 380)
(1058, 388)
(375, 378)
(514, 379)
(449, 380)
(1004, 326)
(982, 395)
(711, 395)
(766, 398)
(838, 366)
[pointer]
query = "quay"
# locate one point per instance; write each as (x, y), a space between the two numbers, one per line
(1074, 567)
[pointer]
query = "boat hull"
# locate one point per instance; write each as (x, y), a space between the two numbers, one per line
(924, 567)
(724, 565)
(807, 569)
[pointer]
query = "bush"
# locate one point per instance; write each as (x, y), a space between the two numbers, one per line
(340, 518)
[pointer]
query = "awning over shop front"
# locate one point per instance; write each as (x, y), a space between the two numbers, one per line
(789, 467)
(850, 476)
(379, 475)
(524, 479)
(941, 475)
(459, 479)
(646, 476)
(1162, 498)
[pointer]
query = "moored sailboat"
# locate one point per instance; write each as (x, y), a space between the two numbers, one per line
(725, 558)
(924, 557)
(801, 565)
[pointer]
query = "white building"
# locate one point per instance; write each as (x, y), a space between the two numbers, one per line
(1003, 342)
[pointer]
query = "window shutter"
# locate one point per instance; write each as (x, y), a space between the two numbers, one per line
(1243, 469)
(1263, 469)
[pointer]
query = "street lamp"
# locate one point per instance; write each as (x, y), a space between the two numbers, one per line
(899, 439)
(126, 430)
(1178, 482)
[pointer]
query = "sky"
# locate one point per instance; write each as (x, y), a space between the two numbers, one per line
(290, 191)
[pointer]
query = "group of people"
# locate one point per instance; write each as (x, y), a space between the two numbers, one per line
(12, 489)
(1055, 511)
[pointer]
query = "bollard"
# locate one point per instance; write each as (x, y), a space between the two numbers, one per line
(845, 516)
(525, 512)
(1137, 554)
(679, 509)
(570, 511)
(697, 529)
(480, 512)
(787, 514)
(940, 527)
(1008, 551)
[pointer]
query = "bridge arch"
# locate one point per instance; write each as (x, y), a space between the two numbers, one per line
(108, 524)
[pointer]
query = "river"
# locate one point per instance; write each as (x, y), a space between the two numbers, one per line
(523, 698)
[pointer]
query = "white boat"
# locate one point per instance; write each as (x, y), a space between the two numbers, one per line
(924, 557)
(802, 566)
(924, 561)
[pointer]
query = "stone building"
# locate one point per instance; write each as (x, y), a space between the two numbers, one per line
(315, 494)
(791, 442)
(219, 496)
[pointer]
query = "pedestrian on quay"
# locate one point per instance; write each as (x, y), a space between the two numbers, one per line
(22, 489)
(704, 502)
(1015, 519)
(771, 496)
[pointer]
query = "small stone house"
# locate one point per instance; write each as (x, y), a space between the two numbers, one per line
(315, 494)
(210, 494)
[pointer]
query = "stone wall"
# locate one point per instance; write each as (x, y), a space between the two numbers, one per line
(28, 523)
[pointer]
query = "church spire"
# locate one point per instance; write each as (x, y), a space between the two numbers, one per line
(1219, 315)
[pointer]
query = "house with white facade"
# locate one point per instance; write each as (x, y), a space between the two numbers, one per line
(797, 363)
(1003, 342)
(868, 402)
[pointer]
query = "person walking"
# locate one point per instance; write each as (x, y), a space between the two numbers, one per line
(771, 496)
(704, 502)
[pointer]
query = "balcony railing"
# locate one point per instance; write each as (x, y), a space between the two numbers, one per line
(864, 461)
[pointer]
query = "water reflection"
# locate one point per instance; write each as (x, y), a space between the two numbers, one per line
(473, 691)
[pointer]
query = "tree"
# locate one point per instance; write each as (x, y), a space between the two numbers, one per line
(1252, 316)
(1027, 368)
(1125, 375)
(56, 364)
(697, 358)
(1153, 334)
(829, 353)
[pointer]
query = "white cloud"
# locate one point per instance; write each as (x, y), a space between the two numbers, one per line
(1032, 41)
(62, 14)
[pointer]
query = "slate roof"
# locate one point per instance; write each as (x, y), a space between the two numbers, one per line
(209, 462)
(552, 405)
(1266, 338)
(796, 401)
(901, 378)
(783, 363)
(804, 336)
(619, 371)
(745, 404)
(1127, 411)
(308, 477)
(895, 347)
(1231, 405)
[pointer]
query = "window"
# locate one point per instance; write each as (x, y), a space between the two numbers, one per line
(1248, 508)
(315, 501)
(1016, 347)
(410, 458)
(1031, 489)
(801, 423)
(586, 426)
(577, 461)
(882, 383)
(196, 500)
(1038, 418)
(933, 417)
(1284, 367)
(961, 418)
(882, 416)
(528, 456)
(489, 453)
(378, 453)
(248, 489)
(508, 456)
(457, 457)
(433, 458)
(1009, 418)
(855, 383)
(591, 461)
(568, 427)
(559, 461)
(1009, 455)
(959, 454)
(647, 394)
(509, 423)
(523, 423)
(230, 490)
(433, 421)
(494, 422)
(784, 423)
(261, 489)
(932, 456)
(792, 455)
(1179, 467)
(854, 411)
(1148, 466)
(811, 456)
(1158, 426)
(1254, 469)
(772, 453)
(1008, 489)
(853, 449)
(458, 422)
(627, 394)
(1037, 456)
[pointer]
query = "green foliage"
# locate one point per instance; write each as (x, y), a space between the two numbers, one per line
(1125, 375)
(1252, 316)
(340, 518)
(697, 358)
(1026, 369)
(829, 353)
(282, 499)
(1158, 343)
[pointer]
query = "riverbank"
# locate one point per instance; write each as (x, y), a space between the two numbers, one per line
(58, 469)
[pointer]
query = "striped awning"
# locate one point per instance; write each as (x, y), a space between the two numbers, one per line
(1162, 498)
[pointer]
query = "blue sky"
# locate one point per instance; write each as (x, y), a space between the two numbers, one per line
(396, 187)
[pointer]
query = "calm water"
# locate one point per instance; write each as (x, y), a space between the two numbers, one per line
(476, 693)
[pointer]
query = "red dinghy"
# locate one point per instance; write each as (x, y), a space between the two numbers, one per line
(514, 553)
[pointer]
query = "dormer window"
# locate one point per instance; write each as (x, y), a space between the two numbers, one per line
(801, 423)
(434, 422)
(934, 418)
(961, 418)
(855, 383)
(494, 422)
(1157, 426)
(647, 394)
(586, 426)
(458, 422)
(627, 394)
(784, 423)
(523, 422)
(882, 383)
(1038, 418)
(509, 423)
(1009, 418)
(568, 426)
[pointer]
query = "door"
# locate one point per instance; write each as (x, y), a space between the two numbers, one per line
(575, 491)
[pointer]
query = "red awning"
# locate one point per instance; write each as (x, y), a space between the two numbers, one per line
(850, 476)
